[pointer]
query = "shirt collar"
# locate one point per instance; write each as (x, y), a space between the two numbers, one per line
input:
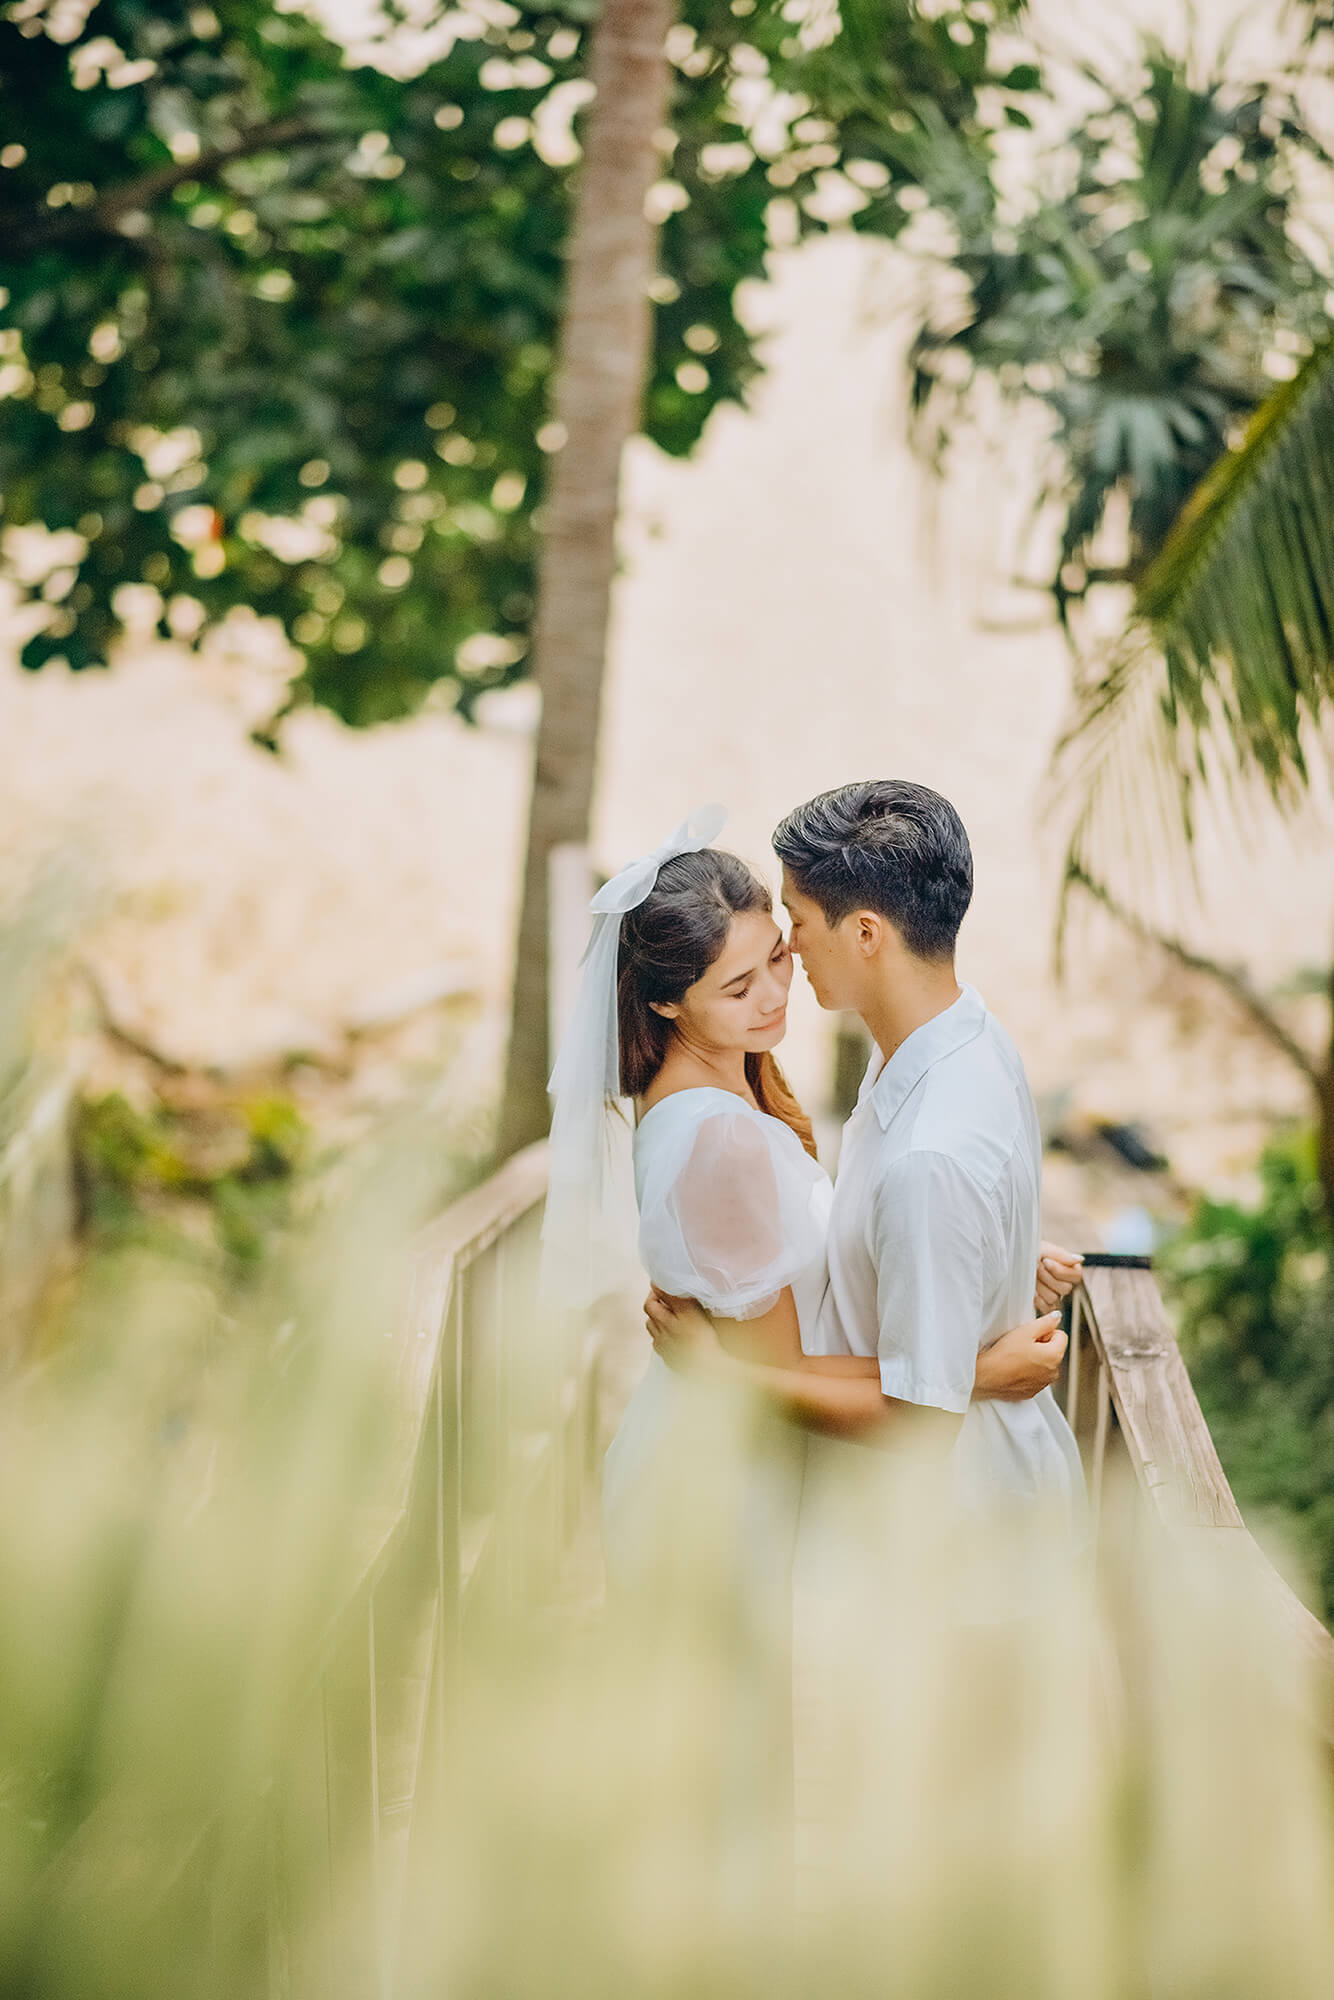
(958, 1024)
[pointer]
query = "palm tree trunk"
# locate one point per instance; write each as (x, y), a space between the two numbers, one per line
(599, 390)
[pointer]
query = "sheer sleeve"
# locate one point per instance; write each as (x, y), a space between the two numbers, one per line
(735, 1224)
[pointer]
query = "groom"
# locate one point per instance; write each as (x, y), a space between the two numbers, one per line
(934, 1233)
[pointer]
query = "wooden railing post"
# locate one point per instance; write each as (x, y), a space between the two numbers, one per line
(349, 1707)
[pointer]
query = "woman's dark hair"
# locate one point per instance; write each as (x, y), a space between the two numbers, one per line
(667, 944)
(883, 845)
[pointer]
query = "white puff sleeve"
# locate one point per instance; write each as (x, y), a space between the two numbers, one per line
(735, 1218)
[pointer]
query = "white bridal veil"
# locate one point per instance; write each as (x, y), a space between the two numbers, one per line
(589, 1230)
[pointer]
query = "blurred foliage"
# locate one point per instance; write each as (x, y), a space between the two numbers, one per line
(278, 325)
(1253, 1287)
(179, 1535)
(194, 1728)
(256, 1736)
(1147, 288)
(231, 1166)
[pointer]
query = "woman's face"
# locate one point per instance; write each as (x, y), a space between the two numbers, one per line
(741, 1001)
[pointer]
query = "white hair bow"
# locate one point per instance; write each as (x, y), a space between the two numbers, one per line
(636, 880)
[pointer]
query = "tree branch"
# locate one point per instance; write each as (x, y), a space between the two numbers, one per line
(1228, 977)
(22, 233)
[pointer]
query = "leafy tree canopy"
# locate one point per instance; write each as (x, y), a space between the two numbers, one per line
(1148, 287)
(278, 324)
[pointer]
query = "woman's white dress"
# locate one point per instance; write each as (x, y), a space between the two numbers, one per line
(732, 1209)
(701, 1492)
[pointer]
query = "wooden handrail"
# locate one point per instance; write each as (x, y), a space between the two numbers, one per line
(1143, 1380)
(467, 1227)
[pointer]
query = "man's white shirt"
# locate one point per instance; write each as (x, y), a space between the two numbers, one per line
(933, 1247)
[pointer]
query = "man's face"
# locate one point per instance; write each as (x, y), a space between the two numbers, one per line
(829, 958)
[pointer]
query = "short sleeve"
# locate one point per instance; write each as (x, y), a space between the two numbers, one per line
(931, 1229)
(736, 1223)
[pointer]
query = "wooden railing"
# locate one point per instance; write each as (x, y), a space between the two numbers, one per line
(1129, 1397)
(496, 1454)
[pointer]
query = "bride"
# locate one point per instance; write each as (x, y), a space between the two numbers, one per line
(683, 1001)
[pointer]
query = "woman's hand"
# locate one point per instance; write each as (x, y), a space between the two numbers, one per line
(1059, 1271)
(1022, 1362)
(683, 1333)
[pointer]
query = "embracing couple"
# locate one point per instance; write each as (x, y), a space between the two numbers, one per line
(895, 1305)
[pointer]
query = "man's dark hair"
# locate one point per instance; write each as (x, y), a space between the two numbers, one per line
(888, 846)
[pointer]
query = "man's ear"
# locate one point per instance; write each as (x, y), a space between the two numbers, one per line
(870, 933)
(667, 1008)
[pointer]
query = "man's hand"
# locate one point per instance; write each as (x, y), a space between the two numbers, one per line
(1022, 1362)
(682, 1333)
(1059, 1271)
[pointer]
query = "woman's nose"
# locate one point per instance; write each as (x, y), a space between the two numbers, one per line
(774, 994)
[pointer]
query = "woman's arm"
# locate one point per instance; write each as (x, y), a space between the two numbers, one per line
(773, 1339)
(845, 1403)
(1014, 1368)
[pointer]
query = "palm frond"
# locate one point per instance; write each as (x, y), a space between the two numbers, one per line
(1228, 666)
(1240, 600)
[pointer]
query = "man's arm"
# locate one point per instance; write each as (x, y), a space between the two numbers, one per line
(934, 1239)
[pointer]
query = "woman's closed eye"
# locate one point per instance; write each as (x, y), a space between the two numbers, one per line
(780, 953)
